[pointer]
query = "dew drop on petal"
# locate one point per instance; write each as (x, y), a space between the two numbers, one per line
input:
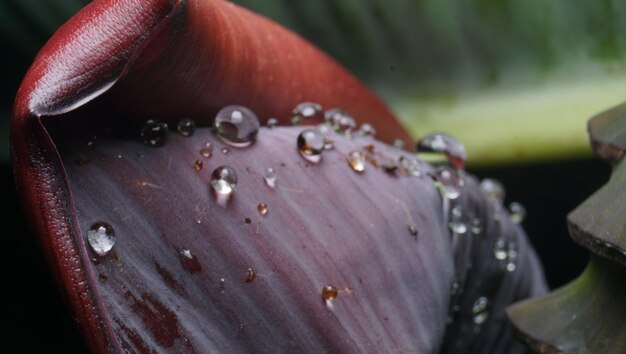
(329, 293)
(457, 222)
(101, 238)
(331, 116)
(479, 310)
(272, 123)
(449, 182)
(308, 113)
(518, 212)
(251, 275)
(475, 226)
(413, 231)
(311, 145)
(270, 178)
(410, 165)
(499, 249)
(345, 125)
(493, 189)
(198, 165)
(207, 150)
(511, 256)
(444, 144)
(223, 182)
(186, 127)
(262, 208)
(225, 151)
(236, 125)
(398, 144)
(367, 129)
(356, 160)
(154, 133)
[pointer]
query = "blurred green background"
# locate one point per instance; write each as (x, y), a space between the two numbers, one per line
(515, 80)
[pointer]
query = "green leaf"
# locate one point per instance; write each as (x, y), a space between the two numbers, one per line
(585, 316)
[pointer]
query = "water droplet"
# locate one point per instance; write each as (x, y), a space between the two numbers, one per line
(307, 113)
(101, 237)
(457, 222)
(223, 182)
(251, 275)
(410, 165)
(479, 310)
(236, 126)
(198, 165)
(413, 230)
(207, 150)
(511, 255)
(518, 212)
(248, 221)
(225, 151)
(154, 133)
(189, 261)
(311, 145)
(345, 125)
(476, 227)
(356, 160)
(367, 129)
(186, 253)
(331, 116)
(448, 181)
(272, 123)
(186, 127)
(329, 293)
(262, 208)
(493, 189)
(444, 144)
(499, 249)
(270, 178)
(398, 144)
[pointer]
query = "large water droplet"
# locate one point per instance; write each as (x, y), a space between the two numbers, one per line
(262, 208)
(479, 310)
(270, 178)
(307, 113)
(223, 182)
(518, 212)
(449, 182)
(101, 237)
(311, 145)
(154, 133)
(499, 249)
(207, 150)
(356, 160)
(329, 293)
(237, 126)
(186, 127)
(444, 144)
(493, 189)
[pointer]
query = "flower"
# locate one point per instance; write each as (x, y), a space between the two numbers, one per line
(149, 261)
